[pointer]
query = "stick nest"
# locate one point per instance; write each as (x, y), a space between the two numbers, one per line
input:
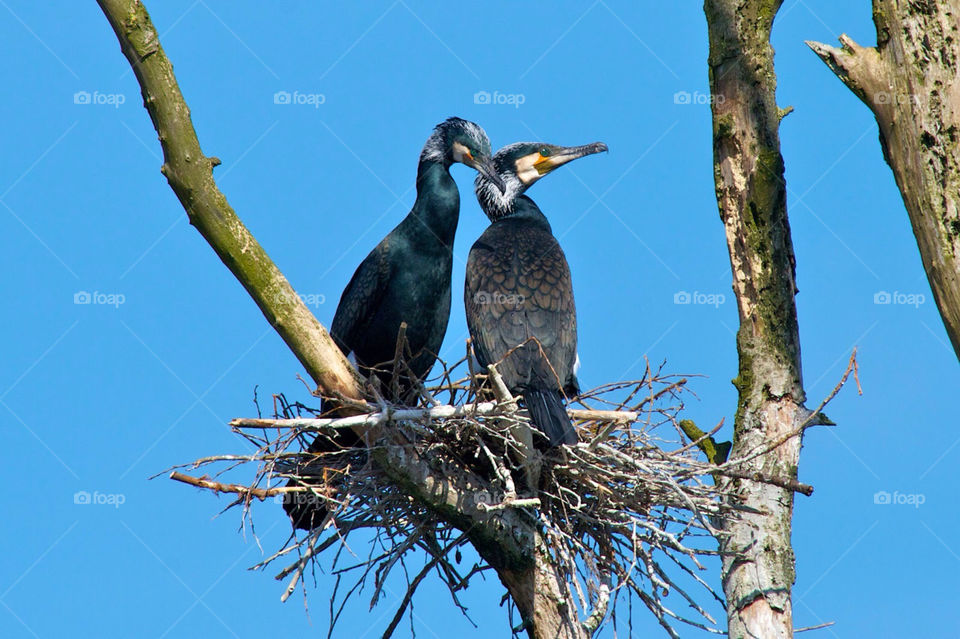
(627, 514)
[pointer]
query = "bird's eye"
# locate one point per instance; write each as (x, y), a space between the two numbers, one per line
(545, 152)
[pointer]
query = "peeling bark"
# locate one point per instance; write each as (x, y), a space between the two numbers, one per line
(911, 83)
(758, 561)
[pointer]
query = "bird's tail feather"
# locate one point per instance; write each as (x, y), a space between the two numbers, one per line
(548, 414)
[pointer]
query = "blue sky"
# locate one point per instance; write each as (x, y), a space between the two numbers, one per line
(99, 397)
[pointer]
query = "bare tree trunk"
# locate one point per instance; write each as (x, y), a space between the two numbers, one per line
(543, 597)
(758, 560)
(911, 83)
(509, 541)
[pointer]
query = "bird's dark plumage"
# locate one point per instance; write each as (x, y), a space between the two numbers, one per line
(518, 293)
(404, 279)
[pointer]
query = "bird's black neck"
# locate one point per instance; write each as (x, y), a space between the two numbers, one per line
(525, 209)
(436, 212)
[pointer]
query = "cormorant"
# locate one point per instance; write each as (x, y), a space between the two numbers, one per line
(518, 293)
(405, 279)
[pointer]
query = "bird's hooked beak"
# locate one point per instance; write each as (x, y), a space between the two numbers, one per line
(560, 155)
(487, 169)
(484, 165)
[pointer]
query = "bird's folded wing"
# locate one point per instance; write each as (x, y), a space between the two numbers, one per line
(518, 287)
(361, 298)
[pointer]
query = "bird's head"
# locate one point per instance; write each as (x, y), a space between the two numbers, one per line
(458, 140)
(521, 164)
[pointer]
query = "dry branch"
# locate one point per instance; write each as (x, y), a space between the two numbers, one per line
(243, 491)
(441, 411)
(190, 174)
(910, 82)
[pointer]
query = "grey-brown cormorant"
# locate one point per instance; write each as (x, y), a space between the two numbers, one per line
(518, 293)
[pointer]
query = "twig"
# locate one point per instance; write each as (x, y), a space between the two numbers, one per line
(531, 502)
(412, 587)
(592, 622)
(442, 411)
(765, 478)
(813, 419)
(500, 390)
(246, 491)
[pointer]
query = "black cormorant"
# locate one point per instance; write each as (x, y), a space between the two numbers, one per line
(405, 279)
(518, 293)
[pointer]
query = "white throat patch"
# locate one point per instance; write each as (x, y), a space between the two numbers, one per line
(526, 172)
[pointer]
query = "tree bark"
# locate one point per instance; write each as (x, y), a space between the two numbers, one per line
(910, 82)
(509, 541)
(758, 560)
(540, 589)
